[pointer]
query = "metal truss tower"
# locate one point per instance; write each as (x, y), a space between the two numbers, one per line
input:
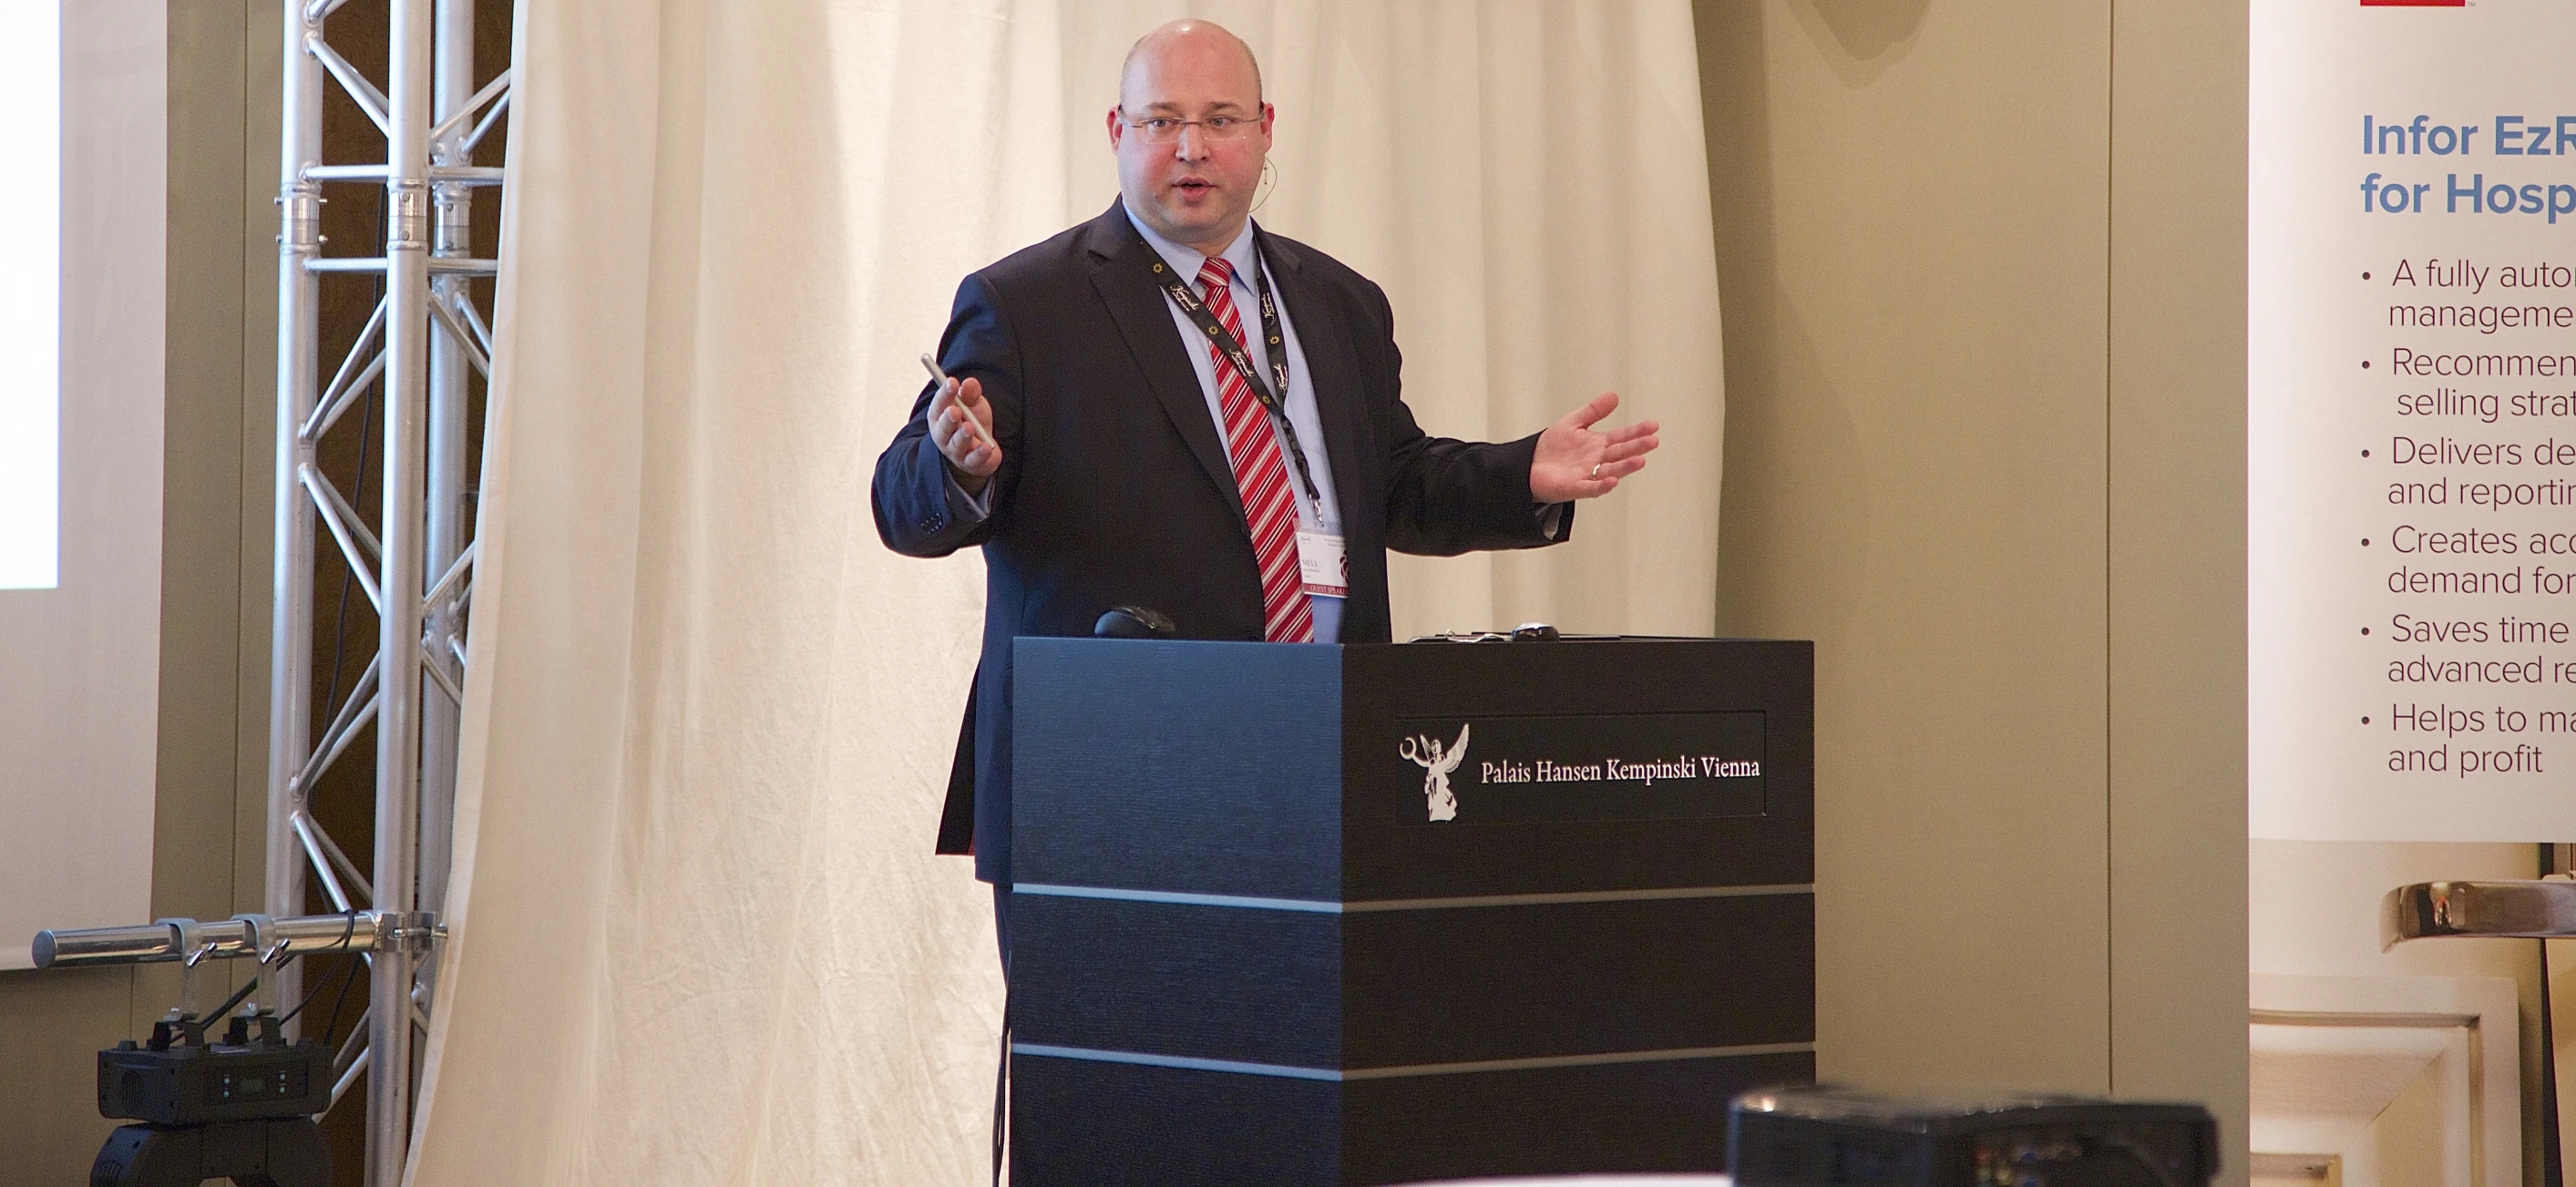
(417, 567)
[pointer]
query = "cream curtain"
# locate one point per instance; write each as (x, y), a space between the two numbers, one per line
(697, 936)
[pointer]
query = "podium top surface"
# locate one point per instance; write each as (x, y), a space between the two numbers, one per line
(1372, 774)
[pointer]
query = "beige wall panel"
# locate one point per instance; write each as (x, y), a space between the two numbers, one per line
(54, 1023)
(2177, 608)
(263, 54)
(203, 480)
(1911, 221)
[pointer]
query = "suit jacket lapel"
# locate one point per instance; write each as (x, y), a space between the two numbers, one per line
(1119, 272)
(1333, 370)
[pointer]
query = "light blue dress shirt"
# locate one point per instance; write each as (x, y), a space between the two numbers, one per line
(1313, 515)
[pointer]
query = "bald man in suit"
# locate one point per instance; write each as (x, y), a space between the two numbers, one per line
(1106, 445)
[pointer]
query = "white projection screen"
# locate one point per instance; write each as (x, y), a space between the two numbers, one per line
(82, 86)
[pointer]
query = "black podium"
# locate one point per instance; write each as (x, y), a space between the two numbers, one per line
(1380, 914)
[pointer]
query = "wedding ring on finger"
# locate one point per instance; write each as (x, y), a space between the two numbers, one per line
(1596, 471)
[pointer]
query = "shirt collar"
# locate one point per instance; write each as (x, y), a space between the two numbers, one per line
(1187, 260)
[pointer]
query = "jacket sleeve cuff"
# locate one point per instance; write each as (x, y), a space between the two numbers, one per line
(1555, 521)
(964, 508)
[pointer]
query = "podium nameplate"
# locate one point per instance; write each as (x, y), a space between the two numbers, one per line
(1632, 766)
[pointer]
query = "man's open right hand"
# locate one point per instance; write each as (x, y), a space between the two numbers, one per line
(956, 415)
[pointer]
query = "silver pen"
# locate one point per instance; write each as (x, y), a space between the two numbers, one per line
(981, 433)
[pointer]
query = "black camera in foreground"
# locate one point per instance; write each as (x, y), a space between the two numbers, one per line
(1821, 1136)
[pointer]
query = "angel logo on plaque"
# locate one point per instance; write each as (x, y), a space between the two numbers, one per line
(1437, 762)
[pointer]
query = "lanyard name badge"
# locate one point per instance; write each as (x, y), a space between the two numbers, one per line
(1323, 566)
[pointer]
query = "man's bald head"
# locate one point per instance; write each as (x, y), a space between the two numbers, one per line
(1186, 42)
(1191, 134)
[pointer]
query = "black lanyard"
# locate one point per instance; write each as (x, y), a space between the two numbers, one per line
(1273, 402)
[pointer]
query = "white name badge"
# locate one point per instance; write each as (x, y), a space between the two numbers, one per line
(1322, 565)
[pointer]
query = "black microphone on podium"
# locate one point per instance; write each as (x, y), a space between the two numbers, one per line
(1134, 622)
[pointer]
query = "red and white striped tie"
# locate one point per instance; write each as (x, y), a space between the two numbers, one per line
(1269, 507)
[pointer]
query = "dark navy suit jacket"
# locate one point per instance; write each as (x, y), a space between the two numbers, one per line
(1115, 488)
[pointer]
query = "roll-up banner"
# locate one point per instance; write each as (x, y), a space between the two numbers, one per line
(2412, 420)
